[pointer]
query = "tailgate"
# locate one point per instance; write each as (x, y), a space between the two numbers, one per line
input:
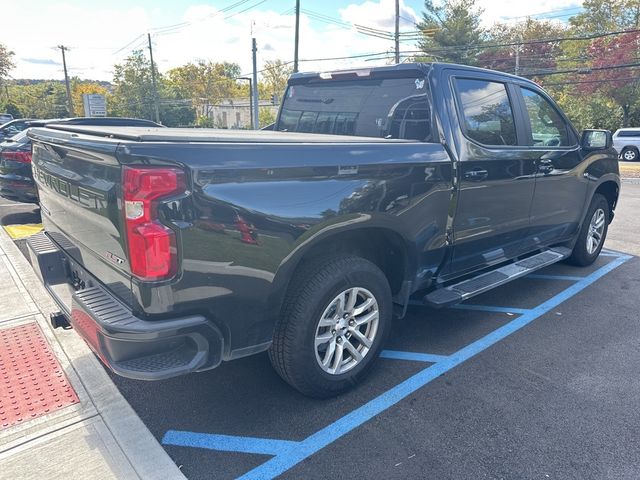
(78, 179)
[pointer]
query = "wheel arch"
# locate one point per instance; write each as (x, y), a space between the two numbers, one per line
(383, 246)
(611, 191)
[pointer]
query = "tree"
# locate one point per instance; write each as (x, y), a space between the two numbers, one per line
(6, 62)
(619, 84)
(11, 108)
(266, 117)
(530, 55)
(132, 94)
(79, 88)
(275, 76)
(457, 31)
(205, 82)
(46, 99)
(601, 16)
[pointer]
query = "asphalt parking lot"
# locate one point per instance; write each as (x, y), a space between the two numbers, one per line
(537, 379)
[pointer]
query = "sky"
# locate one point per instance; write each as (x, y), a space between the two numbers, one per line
(102, 33)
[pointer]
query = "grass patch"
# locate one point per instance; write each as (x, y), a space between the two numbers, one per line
(630, 170)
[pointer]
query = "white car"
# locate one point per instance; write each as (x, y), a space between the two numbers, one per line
(627, 143)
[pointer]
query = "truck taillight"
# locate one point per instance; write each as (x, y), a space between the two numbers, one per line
(21, 157)
(152, 245)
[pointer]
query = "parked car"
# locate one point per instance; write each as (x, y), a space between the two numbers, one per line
(16, 177)
(626, 141)
(13, 127)
(5, 117)
(181, 248)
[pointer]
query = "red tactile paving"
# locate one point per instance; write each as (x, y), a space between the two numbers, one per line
(32, 382)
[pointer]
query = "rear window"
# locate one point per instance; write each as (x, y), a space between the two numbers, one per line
(628, 133)
(370, 107)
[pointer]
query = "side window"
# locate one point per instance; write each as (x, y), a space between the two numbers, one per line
(488, 116)
(547, 126)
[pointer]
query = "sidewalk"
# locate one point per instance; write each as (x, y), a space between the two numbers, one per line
(61, 417)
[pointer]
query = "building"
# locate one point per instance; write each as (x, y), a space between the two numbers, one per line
(234, 112)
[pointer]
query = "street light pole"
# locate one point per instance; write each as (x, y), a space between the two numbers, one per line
(297, 38)
(66, 80)
(397, 36)
(255, 119)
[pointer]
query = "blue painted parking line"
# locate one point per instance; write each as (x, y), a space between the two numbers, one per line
(288, 454)
(412, 356)
(540, 276)
(227, 443)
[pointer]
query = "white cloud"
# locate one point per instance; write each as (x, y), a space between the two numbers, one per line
(510, 11)
(92, 40)
(379, 14)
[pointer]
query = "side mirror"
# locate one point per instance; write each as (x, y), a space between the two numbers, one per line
(596, 140)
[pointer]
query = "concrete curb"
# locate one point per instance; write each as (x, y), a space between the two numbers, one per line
(146, 456)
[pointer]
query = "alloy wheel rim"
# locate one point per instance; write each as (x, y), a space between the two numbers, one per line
(346, 330)
(629, 155)
(596, 231)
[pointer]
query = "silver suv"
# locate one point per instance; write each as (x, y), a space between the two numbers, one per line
(627, 142)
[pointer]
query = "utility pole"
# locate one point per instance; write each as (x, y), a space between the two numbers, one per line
(517, 49)
(66, 80)
(297, 40)
(254, 85)
(153, 80)
(397, 36)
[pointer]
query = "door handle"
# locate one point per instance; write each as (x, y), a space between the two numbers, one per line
(545, 166)
(476, 175)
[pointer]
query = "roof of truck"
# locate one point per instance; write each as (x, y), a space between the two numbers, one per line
(394, 70)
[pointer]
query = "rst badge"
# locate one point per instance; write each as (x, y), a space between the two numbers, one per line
(114, 258)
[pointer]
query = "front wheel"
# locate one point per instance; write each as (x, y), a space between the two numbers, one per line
(592, 234)
(334, 323)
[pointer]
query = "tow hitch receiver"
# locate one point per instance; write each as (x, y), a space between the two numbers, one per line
(59, 320)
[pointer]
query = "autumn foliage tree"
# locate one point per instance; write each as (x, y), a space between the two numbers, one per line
(524, 53)
(609, 76)
(79, 88)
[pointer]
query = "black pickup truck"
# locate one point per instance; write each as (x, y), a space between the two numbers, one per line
(171, 250)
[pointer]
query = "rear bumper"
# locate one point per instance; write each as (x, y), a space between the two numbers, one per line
(128, 345)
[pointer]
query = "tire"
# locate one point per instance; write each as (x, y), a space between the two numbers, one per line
(585, 252)
(629, 154)
(316, 294)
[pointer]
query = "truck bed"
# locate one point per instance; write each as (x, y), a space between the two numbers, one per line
(211, 135)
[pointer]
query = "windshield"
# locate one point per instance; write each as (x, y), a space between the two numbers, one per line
(382, 108)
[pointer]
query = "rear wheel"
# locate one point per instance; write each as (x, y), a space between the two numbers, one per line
(629, 154)
(334, 323)
(592, 234)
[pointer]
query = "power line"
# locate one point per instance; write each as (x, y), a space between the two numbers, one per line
(624, 79)
(532, 42)
(586, 70)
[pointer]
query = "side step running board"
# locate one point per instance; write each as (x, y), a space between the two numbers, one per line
(444, 297)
